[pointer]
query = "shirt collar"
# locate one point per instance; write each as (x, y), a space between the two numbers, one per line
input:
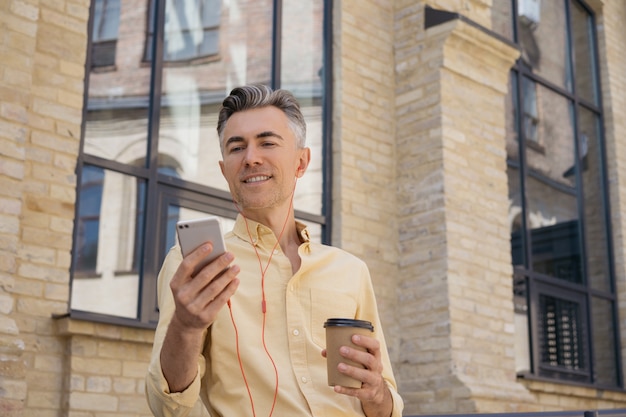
(261, 233)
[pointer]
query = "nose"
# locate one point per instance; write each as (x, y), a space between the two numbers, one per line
(252, 156)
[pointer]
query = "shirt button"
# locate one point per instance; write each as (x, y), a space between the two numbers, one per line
(304, 379)
(296, 332)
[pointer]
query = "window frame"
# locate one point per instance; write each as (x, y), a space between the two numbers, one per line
(162, 189)
(537, 284)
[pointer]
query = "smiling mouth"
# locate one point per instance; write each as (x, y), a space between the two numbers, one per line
(258, 178)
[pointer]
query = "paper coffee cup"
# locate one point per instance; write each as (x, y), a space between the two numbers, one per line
(339, 333)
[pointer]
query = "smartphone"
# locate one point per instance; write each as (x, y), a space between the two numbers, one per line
(193, 233)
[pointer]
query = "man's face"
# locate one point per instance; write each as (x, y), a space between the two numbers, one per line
(261, 158)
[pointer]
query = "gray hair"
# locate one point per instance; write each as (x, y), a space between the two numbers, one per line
(257, 96)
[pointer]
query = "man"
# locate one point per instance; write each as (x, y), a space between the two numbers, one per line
(249, 339)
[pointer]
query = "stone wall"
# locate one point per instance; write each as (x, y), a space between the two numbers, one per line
(364, 152)
(419, 194)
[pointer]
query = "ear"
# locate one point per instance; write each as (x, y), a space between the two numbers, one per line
(222, 168)
(303, 161)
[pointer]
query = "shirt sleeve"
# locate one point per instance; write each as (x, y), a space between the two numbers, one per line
(368, 310)
(161, 401)
(398, 404)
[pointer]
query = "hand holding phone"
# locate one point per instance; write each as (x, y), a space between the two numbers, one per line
(193, 233)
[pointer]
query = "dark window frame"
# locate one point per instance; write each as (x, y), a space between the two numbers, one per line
(162, 189)
(534, 285)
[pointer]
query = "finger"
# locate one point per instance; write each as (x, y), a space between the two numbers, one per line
(206, 304)
(189, 262)
(219, 290)
(370, 343)
(185, 288)
(353, 392)
(365, 375)
(210, 272)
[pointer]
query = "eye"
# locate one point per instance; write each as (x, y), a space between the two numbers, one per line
(233, 149)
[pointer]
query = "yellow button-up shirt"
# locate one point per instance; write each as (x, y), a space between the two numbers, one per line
(330, 283)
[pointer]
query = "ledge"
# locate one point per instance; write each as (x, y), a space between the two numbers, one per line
(68, 326)
(435, 17)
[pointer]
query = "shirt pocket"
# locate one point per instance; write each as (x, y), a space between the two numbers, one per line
(325, 305)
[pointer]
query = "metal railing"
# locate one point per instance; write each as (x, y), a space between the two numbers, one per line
(617, 412)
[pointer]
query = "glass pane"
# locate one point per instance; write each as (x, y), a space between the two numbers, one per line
(516, 214)
(117, 103)
(543, 38)
(106, 20)
(582, 39)
(604, 357)
(551, 189)
(194, 90)
(109, 245)
(562, 335)
(186, 25)
(301, 73)
(598, 272)
(502, 18)
(88, 222)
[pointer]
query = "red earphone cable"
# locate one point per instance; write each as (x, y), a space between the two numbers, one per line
(243, 374)
(263, 304)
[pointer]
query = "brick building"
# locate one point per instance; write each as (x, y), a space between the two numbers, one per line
(468, 150)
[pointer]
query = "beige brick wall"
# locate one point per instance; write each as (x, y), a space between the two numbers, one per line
(456, 351)
(105, 368)
(418, 134)
(364, 189)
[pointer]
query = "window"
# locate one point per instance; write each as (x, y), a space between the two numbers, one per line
(530, 116)
(564, 291)
(149, 150)
(88, 221)
(106, 22)
(191, 29)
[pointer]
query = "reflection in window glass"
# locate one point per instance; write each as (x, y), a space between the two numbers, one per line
(551, 191)
(191, 29)
(561, 334)
(137, 133)
(513, 172)
(88, 222)
(106, 23)
(116, 230)
(117, 102)
(301, 73)
(543, 38)
(598, 271)
(530, 116)
(193, 92)
(582, 32)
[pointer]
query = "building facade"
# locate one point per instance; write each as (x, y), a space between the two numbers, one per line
(468, 150)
